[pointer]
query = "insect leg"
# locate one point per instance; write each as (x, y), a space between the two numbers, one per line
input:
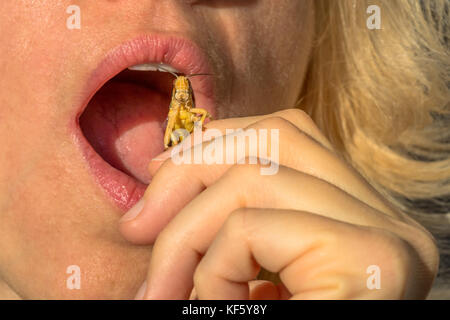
(201, 111)
(171, 120)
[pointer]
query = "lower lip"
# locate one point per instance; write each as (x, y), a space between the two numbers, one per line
(123, 189)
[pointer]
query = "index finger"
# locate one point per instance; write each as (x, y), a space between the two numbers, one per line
(297, 117)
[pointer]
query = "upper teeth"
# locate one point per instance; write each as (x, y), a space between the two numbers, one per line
(154, 67)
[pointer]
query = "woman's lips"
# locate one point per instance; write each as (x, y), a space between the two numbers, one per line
(124, 189)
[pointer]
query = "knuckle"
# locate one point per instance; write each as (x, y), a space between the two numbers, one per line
(327, 239)
(395, 260)
(199, 277)
(243, 181)
(392, 254)
(306, 125)
(427, 243)
(290, 129)
(235, 219)
(277, 122)
(203, 275)
(424, 257)
(243, 171)
(165, 239)
(300, 119)
(235, 228)
(298, 116)
(431, 249)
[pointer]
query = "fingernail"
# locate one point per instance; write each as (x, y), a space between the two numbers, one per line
(140, 294)
(133, 212)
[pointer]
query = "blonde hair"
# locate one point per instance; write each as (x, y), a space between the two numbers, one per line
(382, 97)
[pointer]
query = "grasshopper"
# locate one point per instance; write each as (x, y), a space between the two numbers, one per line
(183, 115)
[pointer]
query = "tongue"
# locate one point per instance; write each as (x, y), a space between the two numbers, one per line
(124, 124)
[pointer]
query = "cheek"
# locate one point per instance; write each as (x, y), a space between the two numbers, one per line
(267, 48)
(53, 217)
(281, 47)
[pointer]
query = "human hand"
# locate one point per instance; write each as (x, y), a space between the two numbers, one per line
(317, 223)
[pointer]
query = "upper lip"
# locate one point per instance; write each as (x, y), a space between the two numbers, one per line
(178, 52)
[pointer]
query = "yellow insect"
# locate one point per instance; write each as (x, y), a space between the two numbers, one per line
(183, 115)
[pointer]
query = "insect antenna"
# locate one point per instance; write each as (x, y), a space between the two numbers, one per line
(199, 74)
(172, 73)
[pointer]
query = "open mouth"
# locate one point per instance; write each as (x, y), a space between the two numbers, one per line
(121, 124)
(124, 120)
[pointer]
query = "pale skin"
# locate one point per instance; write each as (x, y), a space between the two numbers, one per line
(317, 222)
